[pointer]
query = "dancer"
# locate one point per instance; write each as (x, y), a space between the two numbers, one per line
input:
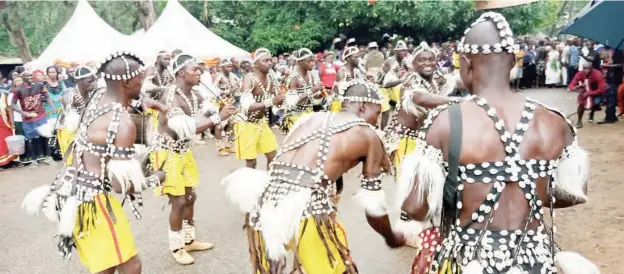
(229, 84)
(158, 79)
(350, 71)
(260, 92)
(498, 182)
(293, 205)
(175, 135)
(391, 75)
(420, 93)
(74, 103)
(304, 90)
(89, 217)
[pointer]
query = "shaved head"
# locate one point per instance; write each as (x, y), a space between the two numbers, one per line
(476, 68)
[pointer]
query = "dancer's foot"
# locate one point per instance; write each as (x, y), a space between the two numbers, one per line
(182, 257)
(579, 124)
(230, 149)
(223, 152)
(196, 245)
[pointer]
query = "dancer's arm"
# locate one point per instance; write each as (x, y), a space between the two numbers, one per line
(371, 195)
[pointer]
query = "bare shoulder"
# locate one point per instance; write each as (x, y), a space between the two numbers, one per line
(439, 127)
(126, 132)
(551, 123)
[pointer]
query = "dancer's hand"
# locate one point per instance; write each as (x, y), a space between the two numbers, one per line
(278, 99)
(161, 175)
(317, 88)
(396, 240)
(227, 111)
(153, 104)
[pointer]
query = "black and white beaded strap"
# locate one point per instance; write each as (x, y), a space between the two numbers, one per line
(506, 44)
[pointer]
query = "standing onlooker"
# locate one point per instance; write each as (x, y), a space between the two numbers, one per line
(6, 130)
(519, 66)
(614, 79)
(573, 60)
(374, 59)
(565, 61)
(38, 76)
(236, 67)
(327, 71)
(55, 89)
(553, 68)
(540, 63)
(30, 96)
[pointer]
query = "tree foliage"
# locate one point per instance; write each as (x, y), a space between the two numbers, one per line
(288, 25)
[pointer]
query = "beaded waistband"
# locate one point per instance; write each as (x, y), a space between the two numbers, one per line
(177, 146)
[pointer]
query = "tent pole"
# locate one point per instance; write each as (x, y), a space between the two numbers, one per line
(618, 46)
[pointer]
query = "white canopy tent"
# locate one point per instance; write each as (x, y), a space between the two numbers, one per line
(85, 38)
(176, 28)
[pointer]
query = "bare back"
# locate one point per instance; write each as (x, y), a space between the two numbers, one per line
(347, 148)
(542, 139)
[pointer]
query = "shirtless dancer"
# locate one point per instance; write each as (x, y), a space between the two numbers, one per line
(175, 133)
(391, 75)
(304, 90)
(419, 94)
(229, 84)
(74, 103)
(90, 218)
(293, 204)
(508, 160)
(350, 71)
(260, 93)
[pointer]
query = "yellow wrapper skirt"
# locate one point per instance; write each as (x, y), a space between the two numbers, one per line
(181, 171)
(311, 252)
(108, 243)
(253, 139)
(65, 137)
(406, 146)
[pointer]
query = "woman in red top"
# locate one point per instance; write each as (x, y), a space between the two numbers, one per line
(6, 130)
(328, 70)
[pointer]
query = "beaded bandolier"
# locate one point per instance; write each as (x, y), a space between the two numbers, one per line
(302, 107)
(464, 249)
(261, 116)
(526, 249)
(232, 92)
(166, 142)
(157, 81)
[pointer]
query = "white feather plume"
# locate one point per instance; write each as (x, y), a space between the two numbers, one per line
(245, 186)
(279, 224)
(430, 180)
(572, 174)
(373, 202)
(49, 208)
(184, 126)
(473, 267)
(72, 121)
(34, 200)
(69, 212)
(127, 173)
(47, 129)
(141, 152)
(574, 263)
(410, 229)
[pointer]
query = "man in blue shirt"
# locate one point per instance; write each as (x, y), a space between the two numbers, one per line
(573, 60)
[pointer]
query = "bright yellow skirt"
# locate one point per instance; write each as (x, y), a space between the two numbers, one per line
(65, 137)
(406, 146)
(335, 106)
(106, 244)
(253, 139)
(181, 171)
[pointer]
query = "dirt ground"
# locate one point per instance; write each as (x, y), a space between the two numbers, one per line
(594, 229)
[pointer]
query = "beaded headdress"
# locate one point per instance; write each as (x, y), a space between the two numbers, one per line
(176, 66)
(225, 62)
(372, 89)
(163, 53)
(401, 45)
(425, 47)
(123, 55)
(261, 53)
(506, 44)
(303, 54)
(350, 51)
(373, 45)
(83, 72)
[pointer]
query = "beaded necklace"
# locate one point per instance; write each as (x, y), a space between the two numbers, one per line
(160, 80)
(269, 83)
(194, 106)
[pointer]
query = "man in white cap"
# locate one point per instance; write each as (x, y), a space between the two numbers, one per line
(374, 59)
(228, 84)
(391, 76)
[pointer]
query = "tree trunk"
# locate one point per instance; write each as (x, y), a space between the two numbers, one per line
(10, 21)
(553, 28)
(145, 11)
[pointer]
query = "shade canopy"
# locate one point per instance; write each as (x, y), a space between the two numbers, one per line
(496, 4)
(176, 28)
(598, 22)
(85, 38)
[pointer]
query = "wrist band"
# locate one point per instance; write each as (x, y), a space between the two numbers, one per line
(216, 119)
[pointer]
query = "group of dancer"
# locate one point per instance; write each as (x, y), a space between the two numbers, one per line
(471, 193)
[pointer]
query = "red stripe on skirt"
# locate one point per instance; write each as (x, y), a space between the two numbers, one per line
(112, 228)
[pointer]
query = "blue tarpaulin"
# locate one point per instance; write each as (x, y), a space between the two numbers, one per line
(600, 21)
